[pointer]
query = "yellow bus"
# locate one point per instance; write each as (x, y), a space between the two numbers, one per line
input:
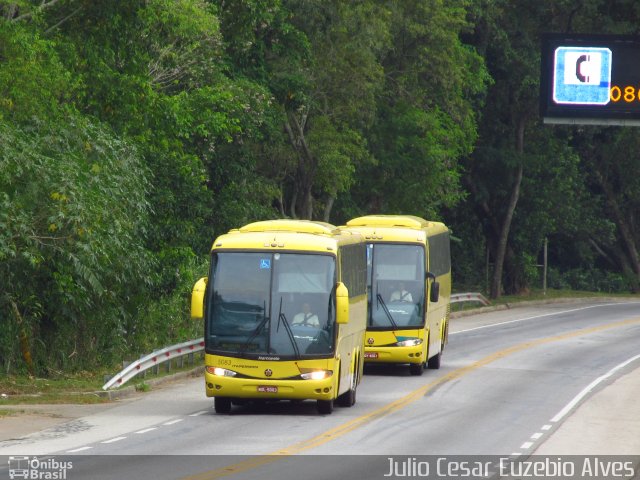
(409, 289)
(284, 310)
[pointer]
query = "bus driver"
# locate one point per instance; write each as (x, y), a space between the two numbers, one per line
(306, 318)
(401, 295)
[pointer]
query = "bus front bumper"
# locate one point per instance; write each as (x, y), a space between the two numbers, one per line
(256, 388)
(392, 354)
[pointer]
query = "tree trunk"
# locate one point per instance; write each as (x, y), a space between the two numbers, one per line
(307, 164)
(628, 240)
(281, 203)
(513, 278)
(308, 204)
(294, 201)
(25, 346)
(496, 282)
(328, 206)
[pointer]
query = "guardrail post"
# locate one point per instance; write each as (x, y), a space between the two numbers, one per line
(144, 373)
(156, 367)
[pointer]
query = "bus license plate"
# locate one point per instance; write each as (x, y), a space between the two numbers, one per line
(267, 389)
(370, 354)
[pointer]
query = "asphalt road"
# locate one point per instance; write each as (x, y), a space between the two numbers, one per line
(506, 376)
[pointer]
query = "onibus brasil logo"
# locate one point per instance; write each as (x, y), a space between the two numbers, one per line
(38, 469)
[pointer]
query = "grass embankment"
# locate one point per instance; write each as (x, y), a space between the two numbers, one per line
(538, 294)
(79, 388)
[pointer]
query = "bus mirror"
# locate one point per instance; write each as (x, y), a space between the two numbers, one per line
(342, 303)
(197, 299)
(430, 276)
(435, 292)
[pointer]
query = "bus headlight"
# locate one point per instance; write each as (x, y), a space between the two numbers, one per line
(221, 372)
(316, 375)
(409, 343)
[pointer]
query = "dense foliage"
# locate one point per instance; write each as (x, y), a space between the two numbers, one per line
(132, 133)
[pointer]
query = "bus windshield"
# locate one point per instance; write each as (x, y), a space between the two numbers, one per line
(271, 304)
(396, 285)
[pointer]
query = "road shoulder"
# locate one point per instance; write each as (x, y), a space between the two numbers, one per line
(607, 423)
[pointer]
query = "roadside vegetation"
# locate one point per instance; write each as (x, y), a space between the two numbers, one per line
(133, 133)
(79, 387)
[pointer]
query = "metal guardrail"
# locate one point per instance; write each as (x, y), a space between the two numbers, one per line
(152, 360)
(469, 297)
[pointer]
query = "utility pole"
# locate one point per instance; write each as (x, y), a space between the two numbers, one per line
(544, 267)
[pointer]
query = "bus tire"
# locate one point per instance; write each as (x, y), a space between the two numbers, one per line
(222, 404)
(416, 368)
(434, 362)
(348, 398)
(325, 407)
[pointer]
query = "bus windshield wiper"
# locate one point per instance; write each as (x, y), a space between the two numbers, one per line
(256, 332)
(287, 327)
(386, 310)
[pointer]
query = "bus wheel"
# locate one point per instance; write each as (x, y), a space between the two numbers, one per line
(325, 407)
(222, 404)
(348, 398)
(416, 368)
(434, 362)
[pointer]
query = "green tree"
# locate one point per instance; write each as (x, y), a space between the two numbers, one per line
(72, 259)
(425, 118)
(325, 124)
(507, 35)
(608, 155)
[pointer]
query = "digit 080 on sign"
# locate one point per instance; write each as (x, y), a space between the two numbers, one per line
(628, 94)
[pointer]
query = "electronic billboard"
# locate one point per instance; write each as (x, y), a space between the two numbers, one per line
(590, 79)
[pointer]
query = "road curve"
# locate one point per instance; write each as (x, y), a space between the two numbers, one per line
(506, 376)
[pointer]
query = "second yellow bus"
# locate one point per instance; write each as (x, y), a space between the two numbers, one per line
(409, 289)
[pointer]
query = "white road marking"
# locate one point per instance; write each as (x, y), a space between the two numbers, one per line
(147, 430)
(536, 316)
(198, 413)
(569, 406)
(546, 427)
(117, 439)
(78, 449)
(526, 445)
(536, 436)
(173, 421)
